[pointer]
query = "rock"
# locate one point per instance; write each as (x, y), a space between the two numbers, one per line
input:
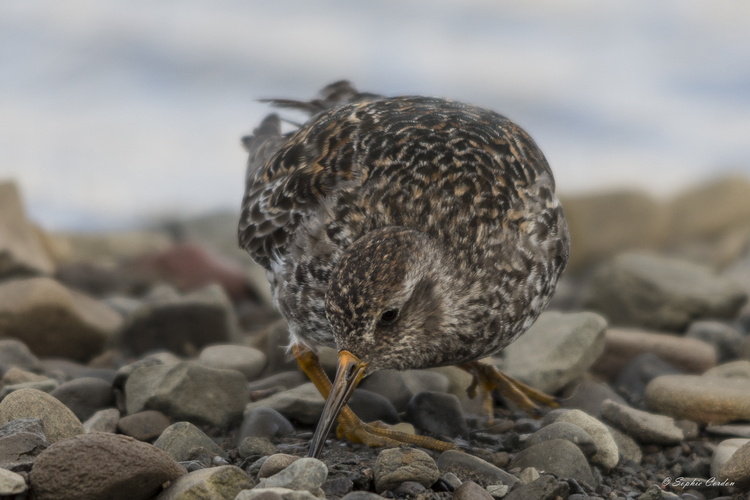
(303, 404)
(182, 324)
(708, 400)
(59, 422)
(361, 495)
(22, 250)
(144, 426)
(497, 490)
(217, 483)
(397, 465)
(628, 448)
(689, 429)
(474, 468)
(100, 465)
(662, 293)
(452, 479)
(340, 486)
(273, 341)
(11, 483)
(409, 489)
(437, 413)
(16, 376)
(644, 427)
(63, 369)
(54, 321)
(558, 349)
(307, 474)
(588, 396)
(188, 391)
(284, 380)
(14, 353)
(622, 346)
(737, 467)
(279, 494)
(275, 464)
(183, 441)
(265, 423)
(558, 456)
(246, 360)
(734, 369)
(85, 396)
(471, 491)
(112, 248)
(544, 488)
(737, 430)
(103, 421)
(725, 339)
(458, 381)
(47, 386)
(528, 475)
(607, 454)
(256, 447)
(391, 385)
(425, 380)
(632, 380)
(567, 431)
(723, 452)
(371, 407)
(21, 441)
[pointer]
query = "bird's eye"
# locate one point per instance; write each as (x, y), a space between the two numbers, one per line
(389, 317)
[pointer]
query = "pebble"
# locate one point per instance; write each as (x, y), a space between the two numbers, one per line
(103, 421)
(285, 380)
(608, 454)
(371, 407)
(437, 413)
(63, 369)
(361, 495)
(723, 451)
(725, 339)
(391, 385)
(338, 487)
(652, 493)
(303, 404)
(306, 474)
(558, 349)
(16, 376)
(628, 448)
(632, 380)
(544, 488)
(409, 489)
(183, 441)
(471, 491)
(707, 400)
(397, 465)
(588, 396)
(738, 430)
(264, 423)
(273, 341)
(497, 490)
(642, 426)
(100, 465)
(525, 426)
(11, 483)
(58, 421)
(528, 475)
(458, 381)
(278, 494)
(558, 456)
(275, 464)
(474, 468)
(255, 447)
(734, 369)
(55, 321)
(737, 467)
(217, 483)
(188, 391)
(143, 426)
(452, 479)
(85, 396)
(20, 442)
(47, 386)
(14, 353)
(567, 431)
(246, 360)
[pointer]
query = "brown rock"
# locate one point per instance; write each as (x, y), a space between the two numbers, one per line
(59, 422)
(708, 400)
(397, 465)
(17, 376)
(623, 345)
(216, 483)
(737, 468)
(144, 426)
(471, 491)
(275, 464)
(100, 465)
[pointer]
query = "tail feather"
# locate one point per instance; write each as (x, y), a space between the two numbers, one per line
(264, 142)
(335, 94)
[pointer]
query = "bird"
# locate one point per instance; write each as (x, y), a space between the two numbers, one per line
(406, 232)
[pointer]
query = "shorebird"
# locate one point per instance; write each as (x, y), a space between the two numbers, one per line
(406, 232)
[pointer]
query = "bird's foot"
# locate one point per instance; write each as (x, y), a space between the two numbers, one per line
(488, 377)
(381, 434)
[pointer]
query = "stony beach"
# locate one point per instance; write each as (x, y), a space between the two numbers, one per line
(151, 364)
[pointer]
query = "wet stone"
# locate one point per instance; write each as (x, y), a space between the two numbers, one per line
(144, 426)
(437, 413)
(264, 423)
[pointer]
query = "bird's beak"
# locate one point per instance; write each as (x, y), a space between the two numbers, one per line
(348, 374)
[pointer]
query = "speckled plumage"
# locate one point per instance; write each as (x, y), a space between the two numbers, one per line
(443, 211)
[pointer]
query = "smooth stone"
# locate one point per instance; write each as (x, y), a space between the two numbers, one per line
(608, 454)
(558, 456)
(85, 396)
(409, 489)
(558, 349)
(474, 468)
(371, 407)
(452, 479)
(734, 369)
(425, 380)
(63, 369)
(217, 483)
(188, 391)
(689, 429)
(16, 376)
(528, 475)
(723, 451)
(737, 467)
(623, 345)
(588, 396)
(458, 382)
(59, 422)
(14, 353)
(255, 447)
(471, 491)
(437, 413)
(181, 324)
(725, 339)
(303, 404)
(642, 426)
(497, 490)
(273, 341)
(246, 360)
(663, 293)
(275, 464)
(277, 494)
(183, 441)
(707, 400)
(338, 487)
(307, 474)
(286, 380)
(46, 386)
(632, 380)
(103, 421)
(626, 445)
(20, 442)
(100, 465)
(266, 423)
(55, 321)
(391, 385)
(544, 488)
(144, 426)
(361, 495)
(654, 492)
(11, 483)
(738, 430)
(398, 465)
(567, 431)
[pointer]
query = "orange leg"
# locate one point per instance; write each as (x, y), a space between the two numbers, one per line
(350, 426)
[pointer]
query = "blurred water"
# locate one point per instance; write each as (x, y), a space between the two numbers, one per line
(111, 112)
